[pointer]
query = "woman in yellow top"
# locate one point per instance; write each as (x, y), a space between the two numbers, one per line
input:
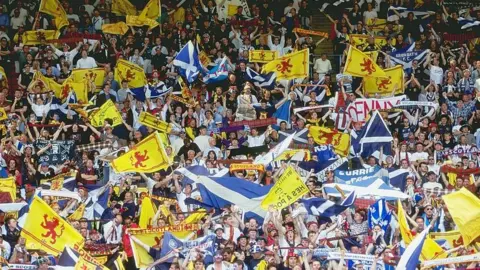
(313, 120)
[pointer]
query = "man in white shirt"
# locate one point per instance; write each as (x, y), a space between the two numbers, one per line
(322, 66)
(212, 147)
(254, 139)
(420, 155)
(97, 21)
(112, 230)
(277, 44)
(86, 61)
(432, 183)
(16, 21)
(69, 55)
(23, 13)
(88, 8)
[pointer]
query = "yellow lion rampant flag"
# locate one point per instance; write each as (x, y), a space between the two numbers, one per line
(35, 37)
(8, 185)
(46, 84)
(325, 136)
(150, 120)
(107, 111)
(136, 21)
(262, 56)
(291, 66)
(94, 75)
(55, 9)
(147, 156)
(385, 86)
(131, 73)
(152, 10)
(123, 7)
(360, 65)
(46, 230)
(80, 89)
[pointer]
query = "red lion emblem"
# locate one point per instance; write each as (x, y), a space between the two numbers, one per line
(65, 90)
(333, 139)
(139, 159)
(129, 76)
(284, 66)
(368, 66)
(50, 226)
(458, 242)
(92, 76)
(262, 55)
(384, 83)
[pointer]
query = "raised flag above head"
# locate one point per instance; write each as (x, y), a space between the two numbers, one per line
(266, 81)
(283, 112)
(360, 65)
(152, 10)
(218, 73)
(326, 136)
(366, 188)
(379, 214)
(147, 156)
(131, 73)
(55, 9)
(375, 136)
(385, 86)
(108, 110)
(123, 7)
(411, 256)
(188, 62)
(275, 152)
(97, 202)
(327, 208)
(406, 56)
(205, 243)
(291, 66)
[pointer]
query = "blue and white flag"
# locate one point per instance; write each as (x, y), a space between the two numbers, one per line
(219, 192)
(321, 168)
(206, 244)
(96, 203)
(327, 208)
(398, 178)
(199, 170)
(300, 137)
(61, 109)
(375, 135)
(467, 23)
(361, 174)
(325, 152)
(156, 90)
(410, 257)
(283, 113)
(406, 56)
(392, 16)
(266, 81)
(188, 62)
(69, 183)
(365, 188)
(379, 214)
(217, 73)
(68, 259)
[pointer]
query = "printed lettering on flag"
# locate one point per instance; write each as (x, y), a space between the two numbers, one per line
(288, 189)
(360, 108)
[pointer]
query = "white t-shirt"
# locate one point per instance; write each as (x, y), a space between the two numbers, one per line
(436, 74)
(432, 185)
(370, 15)
(419, 156)
(88, 62)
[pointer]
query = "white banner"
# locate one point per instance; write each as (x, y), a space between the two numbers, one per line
(366, 260)
(452, 260)
(359, 109)
(296, 110)
(417, 103)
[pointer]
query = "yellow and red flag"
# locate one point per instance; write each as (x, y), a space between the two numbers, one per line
(96, 75)
(150, 120)
(130, 72)
(152, 10)
(360, 65)
(107, 111)
(3, 78)
(8, 185)
(46, 230)
(325, 136)
(34, 37)
(119, 28)
(287, 189)
(46, 84)
(55, 9)
(385, 86)
(291, 66)
(147, 213)
(147, 156)
(123, 7)
(80, 89)
(262, 56)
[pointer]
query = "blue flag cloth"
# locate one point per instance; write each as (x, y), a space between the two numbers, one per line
(201, 170)
(266, 81)
(374, 136)
(410, 257)
(398, 178)
(68, 258)
(96, 203)
(326, 208)
(301, 136)
(325, 152)
(365, 187)
(206, 244)
(217, 73)
(188, 62)
(464, 23)
(321, 168)
(218, 192)
(283, 113)
(406, 56)
(150, 91)
(379, 214)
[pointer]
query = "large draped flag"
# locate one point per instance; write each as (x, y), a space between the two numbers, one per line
(263, 81)
(147, 213)
(374, 136)
(93, 75)
(188, 62)
(385, 86)
(152, 10)
(360, 65)
(218, 192)
(367, 187)
(431, 249)
(123, 7)
(327, 208)
(153, 238)
(465, 210)
(147, 156)
(35, 37)
(287, 189)
(361, 41)
(107, 111)
(131, 73)
(55, 9)
(291, 66)
(119, 28)
(410, 257)
(326, 136)
(46, 230)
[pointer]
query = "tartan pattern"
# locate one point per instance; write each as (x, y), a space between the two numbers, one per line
(255, 123)
(93, 146)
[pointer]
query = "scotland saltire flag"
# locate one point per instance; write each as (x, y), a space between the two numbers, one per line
(68, 259)
(379, 214)
(188, 62)
(410, 257)
(398, 178)
(61, 109)
(392, 16)
(217, 73)
(368, 187)
(69, 183)
(406, 56)
(283, 113)
(149, 91)
(96, 203)
(205, 243)
(218, 192)
(467, 23)
(326, 208)
(300, 137)
(200, 170)
(266, 81)
(375, 135)
(320, 168)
